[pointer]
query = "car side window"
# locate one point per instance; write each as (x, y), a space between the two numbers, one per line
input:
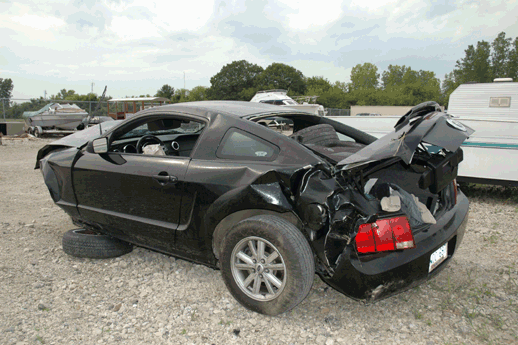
(244, 145)
(158, 136)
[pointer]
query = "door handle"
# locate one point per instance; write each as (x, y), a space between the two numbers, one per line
(164, 178)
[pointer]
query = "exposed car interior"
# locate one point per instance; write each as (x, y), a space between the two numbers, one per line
(164, 136)
(322, 138)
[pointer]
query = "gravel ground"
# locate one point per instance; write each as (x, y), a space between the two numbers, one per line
(49, 297)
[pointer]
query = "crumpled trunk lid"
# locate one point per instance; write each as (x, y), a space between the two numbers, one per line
(434, 128)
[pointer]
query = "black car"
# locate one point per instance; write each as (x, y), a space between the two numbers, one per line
(206, 182)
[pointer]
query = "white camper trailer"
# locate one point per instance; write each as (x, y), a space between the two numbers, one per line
(491, 109)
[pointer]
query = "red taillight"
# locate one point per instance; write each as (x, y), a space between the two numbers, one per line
(455, 191)
(384, 235)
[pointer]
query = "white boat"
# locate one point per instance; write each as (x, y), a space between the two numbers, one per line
(280, 97)
(55, 116)
(491, 153)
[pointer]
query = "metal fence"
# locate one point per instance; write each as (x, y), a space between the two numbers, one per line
(338, 112)
(15, 107)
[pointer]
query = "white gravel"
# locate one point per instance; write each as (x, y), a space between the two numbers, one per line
(145, 297)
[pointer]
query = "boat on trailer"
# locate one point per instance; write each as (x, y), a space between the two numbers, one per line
(54, 117)
(491, 153)
(280, 97)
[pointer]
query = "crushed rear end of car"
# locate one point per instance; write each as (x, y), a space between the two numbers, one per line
(389, 216)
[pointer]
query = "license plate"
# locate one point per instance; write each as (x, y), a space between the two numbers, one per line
(438, 256)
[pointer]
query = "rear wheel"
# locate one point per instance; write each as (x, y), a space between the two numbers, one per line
(267, 264)
(85, 243)
(37, 132)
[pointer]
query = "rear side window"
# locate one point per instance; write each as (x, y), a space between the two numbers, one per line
(240, 144)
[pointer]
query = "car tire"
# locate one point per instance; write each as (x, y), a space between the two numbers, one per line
(36, 132)
(85, 243)
(322, 135)
(282, 283)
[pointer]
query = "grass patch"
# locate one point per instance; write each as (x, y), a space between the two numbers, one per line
(417, 314)
(491, 239)
(506, 194)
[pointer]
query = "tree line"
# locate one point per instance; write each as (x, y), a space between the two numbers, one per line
(397, 85)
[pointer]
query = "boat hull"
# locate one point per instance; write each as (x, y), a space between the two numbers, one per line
(56, 121)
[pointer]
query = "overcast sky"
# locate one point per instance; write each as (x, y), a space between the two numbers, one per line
(135, 47)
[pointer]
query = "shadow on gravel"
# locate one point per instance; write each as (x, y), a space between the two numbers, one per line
(483, 192)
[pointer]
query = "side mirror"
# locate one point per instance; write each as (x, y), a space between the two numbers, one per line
(100, 145)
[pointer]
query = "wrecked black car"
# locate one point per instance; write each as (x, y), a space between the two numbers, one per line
(206, 182)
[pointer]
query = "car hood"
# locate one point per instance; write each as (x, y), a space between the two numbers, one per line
(77, 140)
(80, 138)
(435, 128)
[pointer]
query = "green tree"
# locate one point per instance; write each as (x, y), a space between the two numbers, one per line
(393, 76)
(476, 64)
(180, 96)
(317, 86)
(465, 67)
(404, 86)
(500, 55)
(318, 83)
(6, 89)
(248, 94)
(17, 109)
(199, 93)
(482, 63)
(449, 85)
(63, 94)
(364, 76)
(166, 91)
(512, 65)
(232, 79)
(334, 97)
(281, 76)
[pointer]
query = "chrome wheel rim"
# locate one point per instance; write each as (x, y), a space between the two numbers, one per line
(258, 268)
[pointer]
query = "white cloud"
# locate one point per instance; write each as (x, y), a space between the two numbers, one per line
(134, 29)
(312, 16)
(137, 46)
(189, 15)
(39, 22)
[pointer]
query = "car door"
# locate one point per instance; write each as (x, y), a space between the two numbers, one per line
(133, 195)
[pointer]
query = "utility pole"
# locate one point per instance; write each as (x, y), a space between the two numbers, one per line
(184, 83)
(93, 87)
(44, 94)
(3, 107)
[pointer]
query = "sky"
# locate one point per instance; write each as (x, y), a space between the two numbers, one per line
(135, 47)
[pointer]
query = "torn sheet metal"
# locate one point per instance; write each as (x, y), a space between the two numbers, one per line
(435, 129)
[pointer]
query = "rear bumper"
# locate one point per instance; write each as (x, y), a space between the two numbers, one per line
(379, 275)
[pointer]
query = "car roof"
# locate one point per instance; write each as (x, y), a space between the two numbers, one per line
(209, 109)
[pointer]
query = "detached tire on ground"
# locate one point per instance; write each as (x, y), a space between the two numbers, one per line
(84, 243)
(267, 264)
